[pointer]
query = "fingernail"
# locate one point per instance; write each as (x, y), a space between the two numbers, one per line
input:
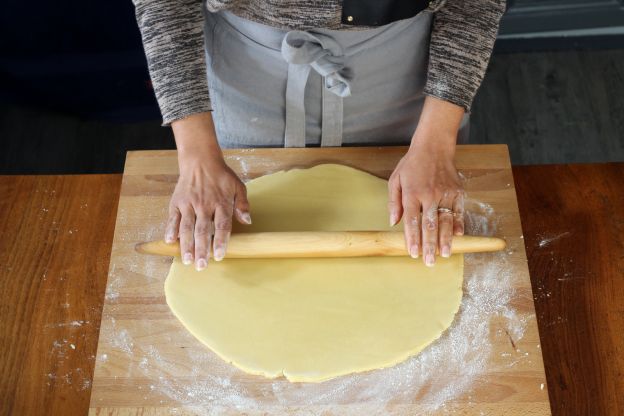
(169, 238)
(219, 253)
(187, 259)
(429, 260)
(414, 251)
(446, 251)
(245, 217)
(393, 219)
(201, 264)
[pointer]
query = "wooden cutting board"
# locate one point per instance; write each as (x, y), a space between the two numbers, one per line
(147, 362)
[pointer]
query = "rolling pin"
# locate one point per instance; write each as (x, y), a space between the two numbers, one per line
(323, 244)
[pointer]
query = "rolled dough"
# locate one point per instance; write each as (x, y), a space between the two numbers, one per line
(315, 319)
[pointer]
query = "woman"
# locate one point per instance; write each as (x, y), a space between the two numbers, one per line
(270, 73)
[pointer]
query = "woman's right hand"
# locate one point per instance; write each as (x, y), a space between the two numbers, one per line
(207, 195)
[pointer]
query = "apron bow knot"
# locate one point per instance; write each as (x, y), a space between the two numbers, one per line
(323, 54)
(304, 51)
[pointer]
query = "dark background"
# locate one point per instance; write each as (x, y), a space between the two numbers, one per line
(75, 94)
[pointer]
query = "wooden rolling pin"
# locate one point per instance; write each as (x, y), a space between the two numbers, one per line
(323, 244)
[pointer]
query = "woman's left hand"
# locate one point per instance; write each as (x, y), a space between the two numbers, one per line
(425, 190)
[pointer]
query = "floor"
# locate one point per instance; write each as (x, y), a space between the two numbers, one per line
(549, 107)
(553, 107)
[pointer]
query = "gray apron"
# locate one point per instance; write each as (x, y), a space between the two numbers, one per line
(271, 87)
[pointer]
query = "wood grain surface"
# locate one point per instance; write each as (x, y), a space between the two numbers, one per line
(145, 359)
(581, 319)
(55, 238)
(573, 217)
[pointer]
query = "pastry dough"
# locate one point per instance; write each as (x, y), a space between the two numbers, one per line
(315, 319)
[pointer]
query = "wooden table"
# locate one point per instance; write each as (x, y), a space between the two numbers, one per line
(50, 314)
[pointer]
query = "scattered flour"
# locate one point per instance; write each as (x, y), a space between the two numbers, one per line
(114, 284)
(547, 240)
(244, 167)
(122, 341)
(71, 324)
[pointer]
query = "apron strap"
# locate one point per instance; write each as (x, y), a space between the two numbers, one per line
(294, 134)
(331, 132)
(304, 51)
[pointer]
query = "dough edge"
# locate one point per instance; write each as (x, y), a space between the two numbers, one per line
(301, 378)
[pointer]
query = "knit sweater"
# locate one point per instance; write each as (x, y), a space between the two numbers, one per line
(462, 38)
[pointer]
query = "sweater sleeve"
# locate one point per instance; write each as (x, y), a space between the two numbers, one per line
(173, 39)
(462, 39)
